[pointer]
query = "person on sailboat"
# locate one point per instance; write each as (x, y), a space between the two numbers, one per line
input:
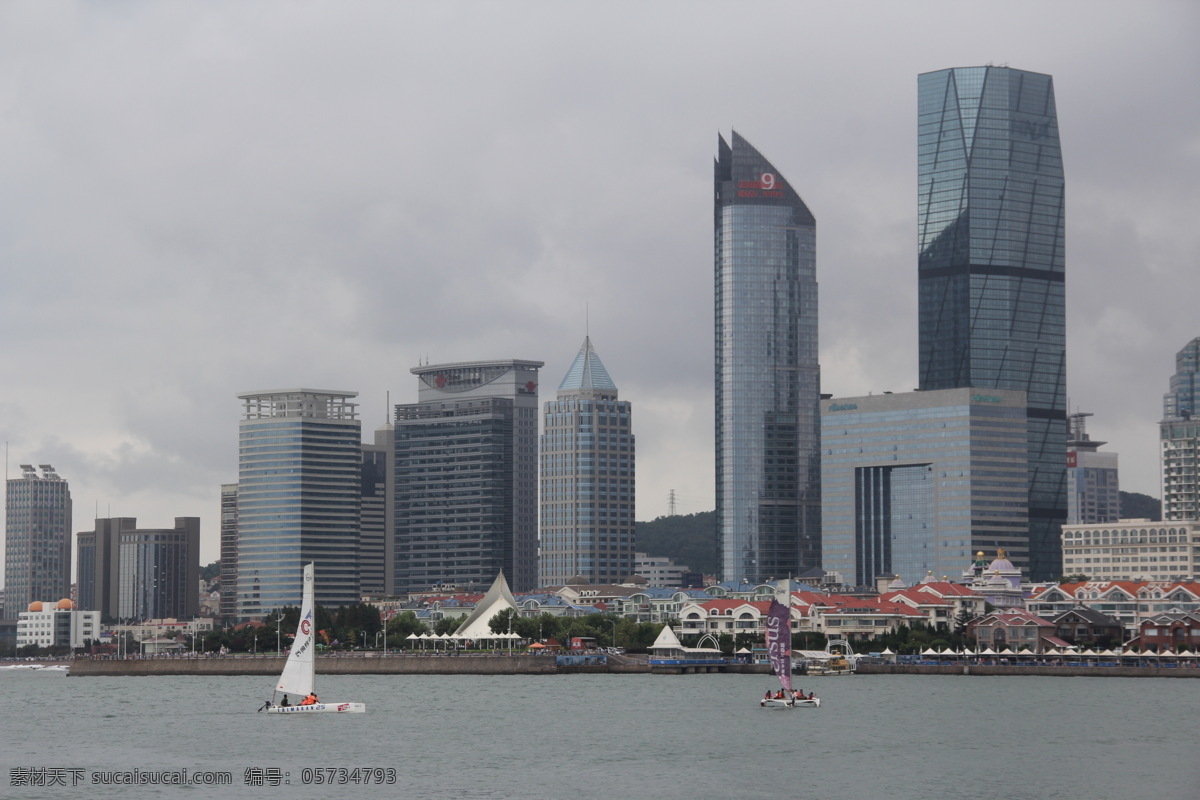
(285, 701)
(311, 700)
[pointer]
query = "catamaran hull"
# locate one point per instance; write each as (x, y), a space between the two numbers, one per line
(773, 703)
(321, 708)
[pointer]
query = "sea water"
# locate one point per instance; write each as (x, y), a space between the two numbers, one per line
(603, 736)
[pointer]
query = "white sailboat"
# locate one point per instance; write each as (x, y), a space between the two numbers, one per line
(298, 678)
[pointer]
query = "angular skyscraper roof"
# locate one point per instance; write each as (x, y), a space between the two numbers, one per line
(587, 373)
(748, 178)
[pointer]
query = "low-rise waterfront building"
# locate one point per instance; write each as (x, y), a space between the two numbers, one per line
(727, 616)
(1131, 602)
(658, 605)
(1133, 550)
(1175, 631)
(48, 624)
(1014, 629)
(1087, 627)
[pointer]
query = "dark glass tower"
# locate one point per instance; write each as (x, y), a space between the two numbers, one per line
(767, 375)
(991, 266)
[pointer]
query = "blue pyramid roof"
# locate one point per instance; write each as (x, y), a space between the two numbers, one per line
(587, 372)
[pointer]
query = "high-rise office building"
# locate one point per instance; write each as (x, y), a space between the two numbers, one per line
(299, 478)
(229, 542)
(1179, 434)
(915, 483)
(1093, 485)
(374, 516)
(464, 484)
(160, 572)
(37, 541)
(991, 263)
(97, 565)
(768, 466)
(587, 478)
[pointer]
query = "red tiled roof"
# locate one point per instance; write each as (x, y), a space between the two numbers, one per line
(945, 587)
(723, 604)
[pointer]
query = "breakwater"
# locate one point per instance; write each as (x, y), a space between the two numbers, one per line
(1046, 670)
(326, 665)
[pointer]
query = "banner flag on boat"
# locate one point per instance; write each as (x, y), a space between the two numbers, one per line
(779, 642)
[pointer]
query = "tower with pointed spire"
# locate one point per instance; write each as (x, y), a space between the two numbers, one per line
(587, 481)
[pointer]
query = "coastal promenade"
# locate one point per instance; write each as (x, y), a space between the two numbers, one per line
(351, 664)
(326, 665)
(526, 664)
(1047, 670)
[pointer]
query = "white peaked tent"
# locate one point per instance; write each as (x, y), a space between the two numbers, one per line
(497, 600)
(667, 644)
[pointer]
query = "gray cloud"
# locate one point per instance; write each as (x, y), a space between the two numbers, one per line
(201, 199)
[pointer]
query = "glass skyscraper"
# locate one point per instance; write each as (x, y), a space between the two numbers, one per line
(991, 264)
(1179, 432)
(37, 541)
(768, 466)
(298, 498)
(914, 483)
(587, 468)
(465, 481)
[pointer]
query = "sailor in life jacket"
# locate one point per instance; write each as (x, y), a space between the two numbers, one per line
(311, 700)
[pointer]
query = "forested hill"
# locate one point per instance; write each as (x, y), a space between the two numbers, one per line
(689, 539)
(1140, 506)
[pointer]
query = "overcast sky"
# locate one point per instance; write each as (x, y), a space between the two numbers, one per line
(198, 199)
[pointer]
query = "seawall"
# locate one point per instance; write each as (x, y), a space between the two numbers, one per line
(1027, 669)
(326, 665)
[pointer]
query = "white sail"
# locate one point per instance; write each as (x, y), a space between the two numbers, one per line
(298, 677)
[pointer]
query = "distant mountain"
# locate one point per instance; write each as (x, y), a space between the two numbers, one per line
(1140, 506)
(689, 539)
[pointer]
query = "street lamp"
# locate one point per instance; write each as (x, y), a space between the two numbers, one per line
(377, 635)
(255, 650)
(614, 624)
(512, 612)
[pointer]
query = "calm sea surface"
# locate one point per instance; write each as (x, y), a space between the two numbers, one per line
(618, 736)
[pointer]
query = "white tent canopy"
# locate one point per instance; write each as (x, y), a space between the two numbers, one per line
(497, 600)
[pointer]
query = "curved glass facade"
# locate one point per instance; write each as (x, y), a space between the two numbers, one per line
(991, 263)
(767, 374)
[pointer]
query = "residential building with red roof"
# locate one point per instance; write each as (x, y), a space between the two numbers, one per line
(1014, 629)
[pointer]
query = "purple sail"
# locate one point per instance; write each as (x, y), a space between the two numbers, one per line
(779, 642)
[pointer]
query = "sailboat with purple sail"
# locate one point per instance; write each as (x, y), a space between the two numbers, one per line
(779, 650)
